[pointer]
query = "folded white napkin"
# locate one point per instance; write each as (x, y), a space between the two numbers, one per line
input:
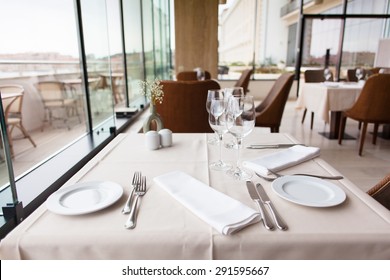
(282, 159)
(220, 211)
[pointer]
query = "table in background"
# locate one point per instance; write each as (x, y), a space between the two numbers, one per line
(359, 228)
(322, 99)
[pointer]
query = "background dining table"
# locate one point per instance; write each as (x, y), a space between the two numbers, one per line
(358, 228)
(328, 101)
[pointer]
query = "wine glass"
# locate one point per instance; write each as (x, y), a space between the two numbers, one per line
(211, 94)
(359, 73)
(240, 121)
(327, 74)
(200, 74)
(238, 92)
(217, 121)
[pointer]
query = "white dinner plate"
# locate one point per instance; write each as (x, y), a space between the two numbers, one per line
(308, 191)
(83, 198)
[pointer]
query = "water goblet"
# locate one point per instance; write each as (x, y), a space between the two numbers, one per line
(240, 121)
(238, 92)
(327, 74)
(359, 74)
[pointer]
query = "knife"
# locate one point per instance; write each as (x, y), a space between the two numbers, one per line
(255, 197)
(271, 146)
(277, 218)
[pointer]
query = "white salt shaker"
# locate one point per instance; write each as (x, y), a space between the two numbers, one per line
(165, 137)
(152, 140)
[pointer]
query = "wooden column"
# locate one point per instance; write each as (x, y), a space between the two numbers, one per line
(196, 35)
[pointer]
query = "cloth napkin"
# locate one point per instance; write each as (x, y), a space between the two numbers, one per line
(220, 211)
(282, 159)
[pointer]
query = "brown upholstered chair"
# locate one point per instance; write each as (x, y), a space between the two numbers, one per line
(381, 191)
(270, 111)
(191, 76)
(372, 106)
(184, 105)
(314, 76)
(244, 79)
(13, 112)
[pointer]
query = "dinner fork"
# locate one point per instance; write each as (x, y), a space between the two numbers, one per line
(277, 175)
(140, 190)
(136, 181)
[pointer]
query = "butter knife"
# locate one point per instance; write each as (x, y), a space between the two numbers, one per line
(277, 218)
(270, 146)
(255, 197)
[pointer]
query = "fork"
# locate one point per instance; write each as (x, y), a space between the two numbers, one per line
(136, 181)
(270, 179)
(140, 190)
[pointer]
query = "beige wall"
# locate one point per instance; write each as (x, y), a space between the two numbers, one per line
(196, 35)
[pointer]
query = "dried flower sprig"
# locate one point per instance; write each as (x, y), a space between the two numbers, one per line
(152, 90)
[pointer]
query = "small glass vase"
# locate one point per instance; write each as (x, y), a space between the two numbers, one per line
(153, 120)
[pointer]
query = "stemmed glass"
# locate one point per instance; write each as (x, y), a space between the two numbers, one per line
(327, 74)
(240, 121)
(359, 73)
(211, 93)
(217, 121)
(238, 92)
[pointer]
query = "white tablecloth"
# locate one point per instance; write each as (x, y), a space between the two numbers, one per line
(357, 229)
(321, 99)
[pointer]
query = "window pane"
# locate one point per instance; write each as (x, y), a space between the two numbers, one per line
(360, 43)
(39, 44)
(148, 20)
(320, 36)
(367, 7)
(103, 83)
(133, 42)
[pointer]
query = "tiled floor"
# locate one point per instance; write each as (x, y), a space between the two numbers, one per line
(364, 171)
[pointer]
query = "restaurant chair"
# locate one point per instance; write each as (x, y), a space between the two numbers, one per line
(381, 191)
(270, 111)
(191, 75)
(13, 112)
(56, 103)
(244, 79)
(184, 106)
(314, 76)
(372, 106)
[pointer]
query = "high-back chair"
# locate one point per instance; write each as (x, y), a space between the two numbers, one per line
(372, 106)
(12, 98)
(56, 103)
(244, 79)
(381, 191)
(270, 111)
(191, 75)
(314, 76)
(184, 105)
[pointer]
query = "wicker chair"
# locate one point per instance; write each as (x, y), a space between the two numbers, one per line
(184, 105)
(270, 111)
(244, 79)
(13, 112)
(372, 106)
(381, 191)
(313, 76)
(55, 99)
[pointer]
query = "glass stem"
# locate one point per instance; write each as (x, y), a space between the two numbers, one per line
(220, 147)
(239, 145)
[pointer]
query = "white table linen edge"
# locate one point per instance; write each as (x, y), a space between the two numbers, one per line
(282, 159)
(220, 211)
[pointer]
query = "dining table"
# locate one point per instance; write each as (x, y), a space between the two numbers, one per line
(328, 100)
(356, 228)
